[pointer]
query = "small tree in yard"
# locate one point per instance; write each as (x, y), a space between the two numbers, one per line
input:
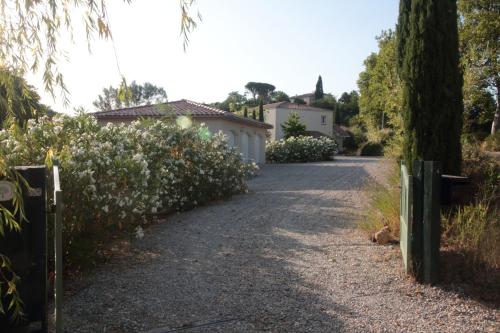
(254, 116)
(245, 112)
(293, 126)
(261, 111)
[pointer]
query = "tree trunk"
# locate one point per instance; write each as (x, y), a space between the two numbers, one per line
(496, 118)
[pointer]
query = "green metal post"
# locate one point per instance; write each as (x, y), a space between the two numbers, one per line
(417, 210)
(58, 251)
(431, 220)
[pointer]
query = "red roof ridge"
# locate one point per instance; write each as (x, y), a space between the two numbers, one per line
(204, 106)
(179, 107)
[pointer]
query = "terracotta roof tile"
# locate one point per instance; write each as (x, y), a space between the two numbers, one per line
(178, 108)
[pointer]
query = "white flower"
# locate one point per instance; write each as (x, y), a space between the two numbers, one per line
(139, 233)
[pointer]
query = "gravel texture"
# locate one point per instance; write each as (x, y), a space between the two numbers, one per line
(286, 257)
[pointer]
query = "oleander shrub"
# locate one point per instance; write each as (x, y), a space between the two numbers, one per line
(118, 175)
(301, 149)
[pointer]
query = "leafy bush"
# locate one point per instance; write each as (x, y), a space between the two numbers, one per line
(301, 149)
(117, 175)
(481, 169)
(492, 142)
(371, 149)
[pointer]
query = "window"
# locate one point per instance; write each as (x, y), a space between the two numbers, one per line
(323, 120)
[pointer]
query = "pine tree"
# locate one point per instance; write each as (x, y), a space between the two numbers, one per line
(261, 111)
(245, 112)
(292, 126)
(318, 94)
(428, 64)
(254, 117)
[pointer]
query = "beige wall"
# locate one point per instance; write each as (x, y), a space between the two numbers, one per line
(249, 140)
(310, 118)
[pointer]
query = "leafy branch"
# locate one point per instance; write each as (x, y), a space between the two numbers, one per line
(11, 220)
(31, 32)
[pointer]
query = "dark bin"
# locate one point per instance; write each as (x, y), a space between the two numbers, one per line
(28, 253)
(454, 190)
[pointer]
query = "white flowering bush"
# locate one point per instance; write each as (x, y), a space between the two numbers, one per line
(119, 174)
(301, 149)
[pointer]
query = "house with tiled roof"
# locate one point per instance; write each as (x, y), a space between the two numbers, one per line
(247, 135)
(316, 119)
(309, 98)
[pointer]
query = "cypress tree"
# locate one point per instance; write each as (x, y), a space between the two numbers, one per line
(245, 112)
(318, 93)
(428, 65)
(261, 111)
(253, 115)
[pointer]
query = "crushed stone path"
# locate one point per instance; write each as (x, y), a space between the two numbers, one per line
(286, 257)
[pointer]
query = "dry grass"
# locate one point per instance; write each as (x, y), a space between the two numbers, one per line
(475, 230)
(383, 206)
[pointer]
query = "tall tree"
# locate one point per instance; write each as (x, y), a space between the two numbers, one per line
(480, 45)
(380, 89)
(428, 63)
(318, 93)
(279, 96)
(129, 95)
(261, 111)
(260, 89)
(34, 40)
(346, 108)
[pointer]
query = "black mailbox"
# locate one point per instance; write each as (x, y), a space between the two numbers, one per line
(450, 186)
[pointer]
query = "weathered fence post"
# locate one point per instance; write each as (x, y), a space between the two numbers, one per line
(417, 242)
(420, 220)
(58, 252)
(431, 220)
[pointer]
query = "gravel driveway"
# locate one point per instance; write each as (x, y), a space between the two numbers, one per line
(285, 257)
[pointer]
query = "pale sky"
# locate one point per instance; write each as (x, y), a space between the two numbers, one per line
(287, 43)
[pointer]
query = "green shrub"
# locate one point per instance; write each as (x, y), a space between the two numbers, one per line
(118, 175)
(492, 142)
(481, 169)
(301, 149)
(371, 149)
(354, 141)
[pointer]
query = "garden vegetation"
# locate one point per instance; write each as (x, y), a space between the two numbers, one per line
(120, 175)
(301, 149)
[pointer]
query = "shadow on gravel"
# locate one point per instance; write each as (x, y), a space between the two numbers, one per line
(238, 266)
(468, 281)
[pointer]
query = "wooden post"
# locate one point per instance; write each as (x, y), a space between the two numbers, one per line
(58, 250)
(417, 227)
(431, 220)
